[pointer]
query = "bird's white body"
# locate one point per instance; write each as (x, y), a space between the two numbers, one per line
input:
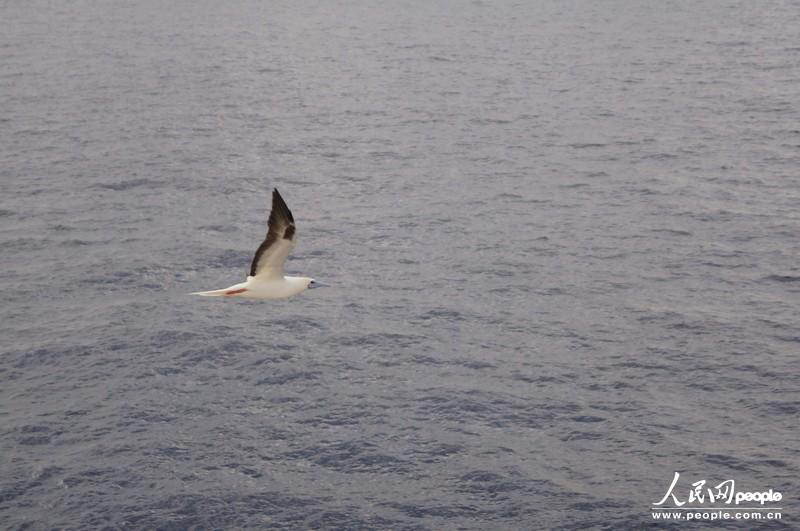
(262, 288)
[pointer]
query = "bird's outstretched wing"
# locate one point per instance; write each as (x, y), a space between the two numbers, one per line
(280, 240)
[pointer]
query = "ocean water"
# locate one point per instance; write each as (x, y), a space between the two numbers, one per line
(561, 239)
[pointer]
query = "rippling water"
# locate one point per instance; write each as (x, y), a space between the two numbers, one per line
(561, 239)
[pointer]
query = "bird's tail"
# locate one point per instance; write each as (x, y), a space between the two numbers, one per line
(214, 293)
(219, 292)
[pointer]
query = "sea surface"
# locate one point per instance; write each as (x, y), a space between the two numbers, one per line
(560, 238)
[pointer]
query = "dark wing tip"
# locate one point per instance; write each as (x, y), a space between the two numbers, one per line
(279, 206)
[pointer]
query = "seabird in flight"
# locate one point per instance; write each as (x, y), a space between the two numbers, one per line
(266, 279)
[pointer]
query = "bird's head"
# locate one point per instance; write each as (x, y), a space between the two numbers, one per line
(312, 283)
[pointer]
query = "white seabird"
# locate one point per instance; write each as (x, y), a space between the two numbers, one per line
(266, 279)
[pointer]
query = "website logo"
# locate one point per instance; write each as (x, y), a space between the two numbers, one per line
(719, 502)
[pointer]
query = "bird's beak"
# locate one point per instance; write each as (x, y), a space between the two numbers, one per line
(317, 284)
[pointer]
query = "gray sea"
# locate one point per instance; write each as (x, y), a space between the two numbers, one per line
(560, 238)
